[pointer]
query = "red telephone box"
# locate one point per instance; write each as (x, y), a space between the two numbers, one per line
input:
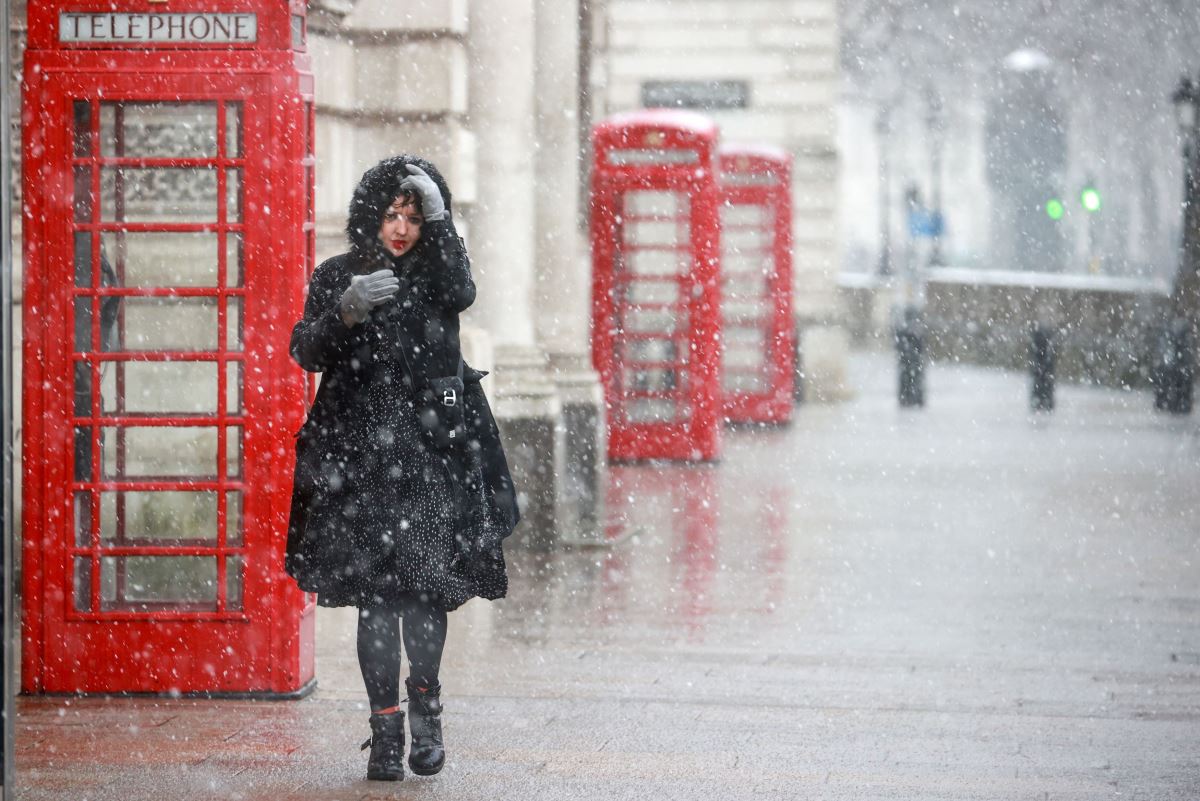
(168, 178)
(655, 306)
(756, 278)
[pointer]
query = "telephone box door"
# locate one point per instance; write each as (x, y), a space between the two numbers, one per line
(150, 335)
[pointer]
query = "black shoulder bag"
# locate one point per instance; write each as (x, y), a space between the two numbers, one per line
(440, 408)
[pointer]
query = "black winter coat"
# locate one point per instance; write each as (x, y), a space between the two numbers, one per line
(378, 513)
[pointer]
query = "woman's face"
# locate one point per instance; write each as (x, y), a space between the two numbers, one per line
(401, 227)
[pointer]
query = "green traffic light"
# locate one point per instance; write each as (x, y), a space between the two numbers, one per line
(1090, 199)
(1054, 209)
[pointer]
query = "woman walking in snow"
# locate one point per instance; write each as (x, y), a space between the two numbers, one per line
(402, 493)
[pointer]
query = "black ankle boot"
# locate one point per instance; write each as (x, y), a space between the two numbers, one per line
(427, 754)
(386, 763)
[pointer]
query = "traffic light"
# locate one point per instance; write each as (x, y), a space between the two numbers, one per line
(1055, 209)
(1089, 198)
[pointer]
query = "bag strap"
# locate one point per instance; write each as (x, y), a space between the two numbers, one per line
(405, 283)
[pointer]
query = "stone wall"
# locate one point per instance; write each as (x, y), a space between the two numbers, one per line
(1105, 329)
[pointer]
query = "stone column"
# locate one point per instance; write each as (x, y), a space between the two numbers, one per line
(502, 234)
(563, 269)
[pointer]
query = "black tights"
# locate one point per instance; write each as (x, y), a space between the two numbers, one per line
(379, 648)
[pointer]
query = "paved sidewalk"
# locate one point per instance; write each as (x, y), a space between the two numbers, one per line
(968, 601)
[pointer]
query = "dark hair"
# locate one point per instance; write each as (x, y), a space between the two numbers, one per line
(410, 196)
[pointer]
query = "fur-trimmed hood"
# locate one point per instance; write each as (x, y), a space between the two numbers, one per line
(376, 190)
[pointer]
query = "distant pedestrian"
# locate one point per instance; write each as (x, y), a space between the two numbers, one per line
(402, 493)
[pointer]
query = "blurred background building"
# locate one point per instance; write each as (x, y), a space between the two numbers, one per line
(1017, 104)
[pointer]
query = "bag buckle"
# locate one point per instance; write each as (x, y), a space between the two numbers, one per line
(449, 397)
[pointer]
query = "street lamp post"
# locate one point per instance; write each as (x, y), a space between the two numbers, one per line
(933, 125)
(882, 129)
(1177, 358)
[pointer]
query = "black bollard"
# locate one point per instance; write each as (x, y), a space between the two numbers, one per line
(1180, 401)
(1175, 368)
(910, 350)
(1042, 358)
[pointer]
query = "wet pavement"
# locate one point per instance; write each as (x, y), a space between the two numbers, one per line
(966, 601)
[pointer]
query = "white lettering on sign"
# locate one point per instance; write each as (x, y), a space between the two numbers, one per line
(158, 28)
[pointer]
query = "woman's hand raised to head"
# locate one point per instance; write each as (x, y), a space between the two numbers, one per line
(365, 293)
(432, 205)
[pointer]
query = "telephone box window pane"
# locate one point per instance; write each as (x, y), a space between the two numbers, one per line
(83, 128)
(745, 347)
(653, 292)
(164, 388)
(744, 359)
(656, 233)
(309, 189)
(651, 203)
(160, 452)
(654, 321)
(167, 517)
(83, 453)
(235, 568)
(83, 325)
(650, 410)
(751, 311)
(82, 583)
(109, 402)
(652, 380)
(137, 582)
(233, 452)
(744, 382)
(233, 388)
(83, 519)
(83, 194)
(170, 324)
(651, 350)
(158, 130)
(297, 32)
(744, 214)
(233, 130)
(233, 195)
(233, 324)
(83, 389)
(233, 259)
(745, 240)
(233, 519)
(739, 265)
(83, 259)
(162, 194)
(658, 262)
(159, 259)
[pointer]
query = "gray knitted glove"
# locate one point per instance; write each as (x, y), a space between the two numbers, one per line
(432, 205)
(365, 293)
